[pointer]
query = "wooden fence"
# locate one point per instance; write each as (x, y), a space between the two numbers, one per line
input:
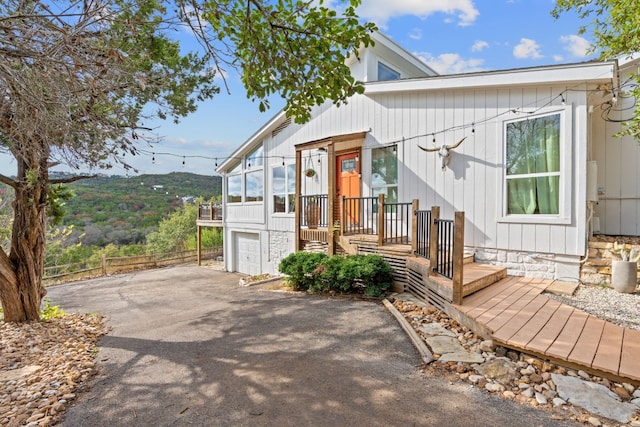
(108, 265)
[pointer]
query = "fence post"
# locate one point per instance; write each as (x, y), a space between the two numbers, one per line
(415, 206)
(343, 215)
(211, 211)
(458, 261)
(433, 237)
(381, 219)
(103, 260)
(199, 239)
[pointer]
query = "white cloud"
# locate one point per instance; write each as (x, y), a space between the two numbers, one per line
(558, 58)
(577, 46)
(527, 49)
(479, 45)
(451, 63)
(416, 34)
(381, 11)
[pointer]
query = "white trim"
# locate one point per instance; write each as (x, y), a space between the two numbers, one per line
(566, 172)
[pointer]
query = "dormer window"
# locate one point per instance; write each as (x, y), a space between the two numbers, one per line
(387, 73)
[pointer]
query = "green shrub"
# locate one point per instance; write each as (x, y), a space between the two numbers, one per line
(376, 274)
(301, 269)
(50, 312)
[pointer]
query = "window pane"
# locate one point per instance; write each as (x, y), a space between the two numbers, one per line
(256, 157)
(384, 166)
(278, 203)
(236, 168)
(533, 145)
(292, 202)
(527, 196)
(348, 165)
(253, 187)
(279, 184)
(387, 73)
(291, 178)
(234, 189)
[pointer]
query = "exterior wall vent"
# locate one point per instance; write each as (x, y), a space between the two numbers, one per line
(281, 127)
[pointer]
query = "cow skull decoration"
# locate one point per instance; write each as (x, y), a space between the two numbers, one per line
(443, 151)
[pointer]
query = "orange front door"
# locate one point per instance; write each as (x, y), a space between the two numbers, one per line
(348, 182)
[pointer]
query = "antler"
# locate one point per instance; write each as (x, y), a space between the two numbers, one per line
(448, 147)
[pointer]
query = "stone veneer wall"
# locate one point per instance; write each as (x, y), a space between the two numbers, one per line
(518, 263)
(278, 246)
(597, 269)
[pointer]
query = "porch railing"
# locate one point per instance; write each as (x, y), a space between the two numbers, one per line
(314, 211)
(396, 222)
(210, 211)
(444, 256)
(358, 215)
(422, 226)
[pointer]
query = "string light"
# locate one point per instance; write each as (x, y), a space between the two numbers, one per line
(282, 160)
(183, 160)
(153, 158)
(562, 101)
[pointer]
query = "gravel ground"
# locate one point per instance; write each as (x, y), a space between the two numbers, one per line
(605, 303)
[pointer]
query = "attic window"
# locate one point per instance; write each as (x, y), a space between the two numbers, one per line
(387, 73)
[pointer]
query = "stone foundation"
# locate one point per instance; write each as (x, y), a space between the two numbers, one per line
(597, 269)
(518, 263)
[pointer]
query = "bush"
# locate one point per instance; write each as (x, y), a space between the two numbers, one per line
(368, 274)
(301, 269)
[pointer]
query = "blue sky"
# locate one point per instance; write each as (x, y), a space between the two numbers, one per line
(452, 36)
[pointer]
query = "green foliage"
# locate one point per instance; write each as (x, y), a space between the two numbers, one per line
(301, 267)
(293, 47)
(615, 27)
(368, 274)
(58, 196)
(50, 312)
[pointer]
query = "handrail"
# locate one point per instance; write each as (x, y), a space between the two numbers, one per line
(397, 222)
(447, 250)
(444, 258)
(358, 215)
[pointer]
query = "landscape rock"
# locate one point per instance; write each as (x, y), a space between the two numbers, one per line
(593, 397)
(500, 369)
(462, 356)
(443, 344)
(433, 329)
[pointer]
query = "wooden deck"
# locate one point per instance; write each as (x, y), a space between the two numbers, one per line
(517, 315)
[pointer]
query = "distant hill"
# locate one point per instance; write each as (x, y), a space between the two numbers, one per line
(123, 210)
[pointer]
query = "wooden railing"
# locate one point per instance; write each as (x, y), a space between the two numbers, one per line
(111, 265)
(446, 249)
(314, 211)
(210, 211)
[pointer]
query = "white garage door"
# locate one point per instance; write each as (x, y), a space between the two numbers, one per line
(247, 253)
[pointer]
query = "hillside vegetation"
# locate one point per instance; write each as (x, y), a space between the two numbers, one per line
(123, 210)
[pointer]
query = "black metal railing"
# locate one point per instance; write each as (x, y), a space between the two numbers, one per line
(209, 211)
(314, 211)
(444, 259)
(359, 215)
(423, 227)
(397, 222)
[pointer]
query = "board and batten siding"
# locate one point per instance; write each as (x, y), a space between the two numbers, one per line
(473, 180)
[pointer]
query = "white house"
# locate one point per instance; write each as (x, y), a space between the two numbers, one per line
(537, 172)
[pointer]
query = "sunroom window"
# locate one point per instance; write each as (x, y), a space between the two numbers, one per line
(387, 73)
(245, 182)
(284, 188)
(533, 165)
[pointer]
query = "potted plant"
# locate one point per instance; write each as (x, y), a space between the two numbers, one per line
(310, 172)
(624, 273)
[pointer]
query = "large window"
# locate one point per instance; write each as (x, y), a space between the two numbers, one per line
(384, 173)
(387, 73)
(533, 165)
(245, 182)
(284, 188)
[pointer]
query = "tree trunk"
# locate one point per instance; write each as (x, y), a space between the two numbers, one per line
(21, 272)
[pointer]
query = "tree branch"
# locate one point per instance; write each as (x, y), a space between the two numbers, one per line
(10, 182)
(71, 179)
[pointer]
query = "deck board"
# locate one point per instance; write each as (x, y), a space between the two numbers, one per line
(520, 319)
(552, 329)
(536, 324)
(629, 360)
(496, 299)
(515, 303)
(566, 340)
(607, 356)
(473, 301)
(585, 349)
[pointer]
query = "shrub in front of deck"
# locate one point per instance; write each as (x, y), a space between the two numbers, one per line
(376, 275)
(334, 275)
(300, 267)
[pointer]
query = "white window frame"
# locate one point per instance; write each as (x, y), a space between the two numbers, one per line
(286, 193)
(247, 165)
(566, 174)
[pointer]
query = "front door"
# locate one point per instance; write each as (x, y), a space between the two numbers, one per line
(348, 183)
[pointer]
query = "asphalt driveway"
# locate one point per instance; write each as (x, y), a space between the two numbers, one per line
(191, 347)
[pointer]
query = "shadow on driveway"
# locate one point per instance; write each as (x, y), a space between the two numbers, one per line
(191, 347)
